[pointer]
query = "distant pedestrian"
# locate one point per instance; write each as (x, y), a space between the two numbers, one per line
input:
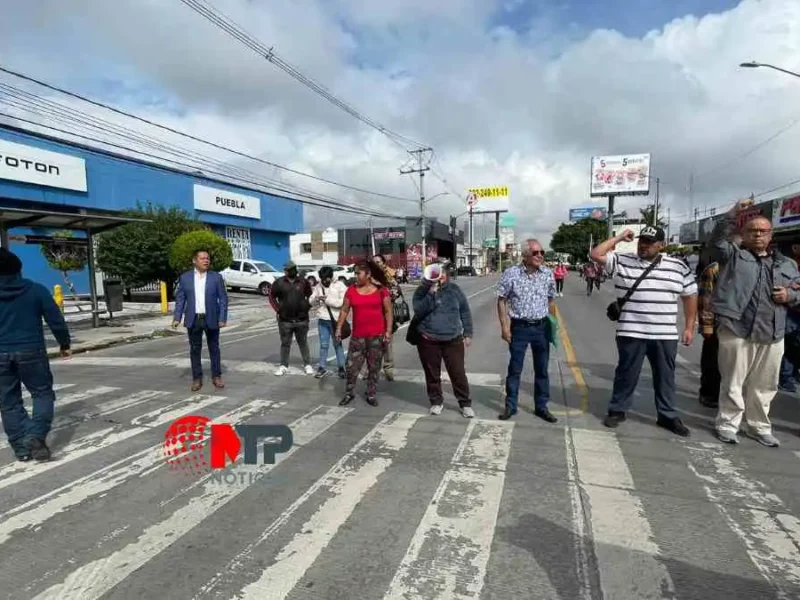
(23, 358)
(590, 276)
(525, 299)
(326, 300)
(289, 296)
(755, 287)
(445, 331)
(203, 298)
(560, 274)
(371, 306)
(649, 284)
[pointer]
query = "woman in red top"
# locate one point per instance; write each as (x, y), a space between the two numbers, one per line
(372, 328)
(560, 274)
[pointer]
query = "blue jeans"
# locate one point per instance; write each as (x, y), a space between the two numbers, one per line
(326, 331)
(523, 336)
(32, 368)
(661, 355)
(788, 374)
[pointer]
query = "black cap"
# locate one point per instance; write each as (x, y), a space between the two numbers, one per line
(654, 234)
(10, 264)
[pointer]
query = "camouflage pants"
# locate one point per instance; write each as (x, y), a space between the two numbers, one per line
(359, 351)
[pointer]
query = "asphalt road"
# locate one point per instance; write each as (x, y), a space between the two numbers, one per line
(389, 502)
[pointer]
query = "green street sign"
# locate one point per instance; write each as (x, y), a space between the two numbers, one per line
(490, 243)
(507, 220)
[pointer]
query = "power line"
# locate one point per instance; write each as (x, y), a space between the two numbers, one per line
(235, 31)
(197, 139)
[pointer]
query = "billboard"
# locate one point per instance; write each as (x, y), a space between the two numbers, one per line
(588, 212)
(786, 213)
(489, 199)
(621, 175)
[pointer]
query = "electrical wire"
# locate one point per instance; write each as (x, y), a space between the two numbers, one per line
(60, 90)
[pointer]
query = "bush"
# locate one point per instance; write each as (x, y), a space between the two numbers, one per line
(183, 249)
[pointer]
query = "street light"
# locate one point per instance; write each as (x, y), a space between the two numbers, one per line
(754, 65)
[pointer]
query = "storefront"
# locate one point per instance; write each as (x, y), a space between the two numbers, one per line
(42, 173)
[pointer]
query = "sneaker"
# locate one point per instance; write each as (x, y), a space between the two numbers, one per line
(614, 419)
(38, 448)
(282, 371)
(320, 373)
(467, 412)
(727, 437)
(436, 409)
(309, 370)
(765, 439)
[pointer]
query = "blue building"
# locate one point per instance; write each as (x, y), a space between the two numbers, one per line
(40, 173)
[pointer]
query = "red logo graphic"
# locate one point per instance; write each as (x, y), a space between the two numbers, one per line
(193, 443)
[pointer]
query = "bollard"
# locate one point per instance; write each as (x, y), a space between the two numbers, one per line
(58, 296)
(164, 305)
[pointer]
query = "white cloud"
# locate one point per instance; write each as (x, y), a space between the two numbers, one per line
(498, 106)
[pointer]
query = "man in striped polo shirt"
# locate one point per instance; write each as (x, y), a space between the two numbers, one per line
(647, 325)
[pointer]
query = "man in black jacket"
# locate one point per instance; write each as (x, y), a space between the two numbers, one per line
(289, 296)
(23, 358)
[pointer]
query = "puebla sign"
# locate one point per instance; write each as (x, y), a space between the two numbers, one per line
(227, 203)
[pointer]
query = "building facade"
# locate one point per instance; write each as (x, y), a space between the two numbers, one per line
(44, 173)
(317, 248)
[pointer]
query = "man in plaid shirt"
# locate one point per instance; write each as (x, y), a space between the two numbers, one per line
(709, 368)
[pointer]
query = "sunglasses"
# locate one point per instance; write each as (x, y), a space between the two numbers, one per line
(536, 252)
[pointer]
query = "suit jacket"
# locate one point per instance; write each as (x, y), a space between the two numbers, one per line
(216, 299)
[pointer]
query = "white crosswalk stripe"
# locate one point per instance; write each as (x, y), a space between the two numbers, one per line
(441, 549)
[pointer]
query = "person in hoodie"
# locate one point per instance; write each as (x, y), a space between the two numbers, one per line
(327, 298)
(23, 358)
(445, 328)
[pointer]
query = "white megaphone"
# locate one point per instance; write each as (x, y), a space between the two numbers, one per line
(432, 272)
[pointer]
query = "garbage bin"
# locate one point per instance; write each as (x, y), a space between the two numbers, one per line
(113, 291)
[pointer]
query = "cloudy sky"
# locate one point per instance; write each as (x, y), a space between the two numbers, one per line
(508, 92)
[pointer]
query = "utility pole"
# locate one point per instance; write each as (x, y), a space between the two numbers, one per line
(420, 154)
(372, 236)
(655, 212)
(669, 221)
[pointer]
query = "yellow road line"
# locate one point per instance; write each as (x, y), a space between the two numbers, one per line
(572, 361)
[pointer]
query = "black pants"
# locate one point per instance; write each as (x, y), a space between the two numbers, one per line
(196, 345)
(589, 285)
(431, 355)
(559, 286)
(709, 368)
(298, 329)
(661, 355)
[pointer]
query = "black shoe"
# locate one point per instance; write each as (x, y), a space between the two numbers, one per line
(346, 400)
(38, 448)
(674, 425)
(614, 419)
(320, 373)
(23, 456)
(708, 401)
(545, 415)
(373, 401)
(507, 415)
(342, 373)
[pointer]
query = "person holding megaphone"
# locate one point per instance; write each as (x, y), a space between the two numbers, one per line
(444, 323)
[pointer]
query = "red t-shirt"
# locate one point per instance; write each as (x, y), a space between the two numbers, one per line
(367, 311)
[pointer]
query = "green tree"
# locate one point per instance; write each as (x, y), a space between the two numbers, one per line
(648, 215)
(138, 253)
(66, 257)
(574, 238)
(183, 249)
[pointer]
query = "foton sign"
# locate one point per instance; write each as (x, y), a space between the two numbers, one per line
(787, 213)
(41, 167)
(227, 203)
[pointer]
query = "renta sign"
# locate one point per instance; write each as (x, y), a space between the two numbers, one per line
(27, 164)
(227, 203)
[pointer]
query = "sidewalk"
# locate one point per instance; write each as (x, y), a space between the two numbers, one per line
(133, 328)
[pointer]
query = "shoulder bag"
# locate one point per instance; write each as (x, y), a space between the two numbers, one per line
(346, 331)
(614, 310)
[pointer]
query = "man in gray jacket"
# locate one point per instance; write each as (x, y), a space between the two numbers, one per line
(445, 331)
(752, 294)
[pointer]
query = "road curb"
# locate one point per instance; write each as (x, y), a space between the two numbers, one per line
(103, 344)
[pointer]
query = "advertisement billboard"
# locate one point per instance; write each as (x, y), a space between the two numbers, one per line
(489, 199)
(588, 212)
(787, 213)
(621, 175)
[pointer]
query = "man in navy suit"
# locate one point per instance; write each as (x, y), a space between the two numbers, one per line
(202, 294)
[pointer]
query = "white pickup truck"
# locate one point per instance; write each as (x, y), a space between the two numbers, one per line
(251, 275)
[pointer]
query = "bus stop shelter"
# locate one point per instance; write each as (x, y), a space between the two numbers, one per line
(87, 220)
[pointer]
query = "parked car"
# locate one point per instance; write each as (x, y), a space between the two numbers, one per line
(251, 275)
(466, 271)
(342, 273)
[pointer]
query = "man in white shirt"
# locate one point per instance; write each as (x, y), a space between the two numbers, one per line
(647, 321)
(202, 295)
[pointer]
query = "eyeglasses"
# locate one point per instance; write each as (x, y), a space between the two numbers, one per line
(536, 252)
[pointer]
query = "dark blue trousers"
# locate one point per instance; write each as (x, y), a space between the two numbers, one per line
(661, 355)
(196, 345)
(523, 336)
(32, 368)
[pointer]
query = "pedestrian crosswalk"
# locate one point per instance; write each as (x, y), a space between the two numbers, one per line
(370, 503)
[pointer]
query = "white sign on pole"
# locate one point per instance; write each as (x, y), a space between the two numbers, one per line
(489, 199)
(42, 167)
(227, 203)
(622, 175)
